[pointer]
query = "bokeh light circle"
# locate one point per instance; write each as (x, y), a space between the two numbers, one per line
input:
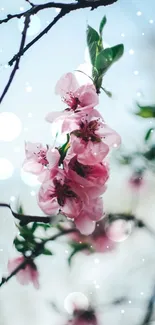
(6, 169)
(29, 179)
(76, 300)
(118, 230)
(10, 126)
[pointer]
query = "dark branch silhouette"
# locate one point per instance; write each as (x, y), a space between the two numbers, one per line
(65, 8)
(150, 309)
(16, 66)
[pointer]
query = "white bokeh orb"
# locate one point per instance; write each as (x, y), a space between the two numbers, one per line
(29, 179)
(34, 27)
(10, 126)
(119, 230)
(6, 169)
(76, 300)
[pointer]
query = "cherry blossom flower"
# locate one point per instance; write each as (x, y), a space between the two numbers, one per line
(78, 99)
(91, 213)
(92, 127)
(28, 274)
(93, 177)
(39, 157)
(88, 152)
(61, 195)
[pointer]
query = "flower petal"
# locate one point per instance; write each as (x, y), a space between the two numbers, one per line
(66, 84)
(84, 224)
(33, 167)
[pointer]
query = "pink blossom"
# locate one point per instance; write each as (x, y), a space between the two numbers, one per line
(78, 99)
(26, 275)
(88, 152)
(60, 194)
(93, 177)
(38, 158)
(92, 127)
(86, 220)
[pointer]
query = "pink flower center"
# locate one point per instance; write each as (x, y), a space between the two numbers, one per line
(87, 131)
(62, 191)
(41, 157)
(72, 102)
(80, 169)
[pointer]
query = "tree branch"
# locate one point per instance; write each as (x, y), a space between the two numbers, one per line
(16, 66)
(45, 31)
(150, 307)
(25, 219)
(66, 8)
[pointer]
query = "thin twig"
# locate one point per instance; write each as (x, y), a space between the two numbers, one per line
(40, 35)
(35, 254)
(66, 8)
(25, 219)
(31, 4)
(150, 308)
(16, 66)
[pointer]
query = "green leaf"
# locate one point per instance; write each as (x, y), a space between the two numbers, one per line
(150, 154)
(45, 226)
(20, 210)
(92, 42)
(117, 51)
(125, 160)
(148, 134)
(107, 57)
(107, 92)
(46, 252)
(103, 60)
(77, 247)
(102, 24)
(146, 111)
(34, 227)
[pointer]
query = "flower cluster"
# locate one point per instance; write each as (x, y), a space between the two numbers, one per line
(74, 176)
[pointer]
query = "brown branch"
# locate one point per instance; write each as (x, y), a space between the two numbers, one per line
(45, 31)
(66, 8)
(16, 66)
(30, 3)
(25, 219)
(35, 254)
